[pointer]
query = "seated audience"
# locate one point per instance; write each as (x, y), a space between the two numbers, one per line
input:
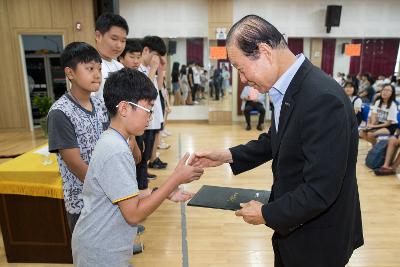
(391, 163)
(383, 120)
(351, 90)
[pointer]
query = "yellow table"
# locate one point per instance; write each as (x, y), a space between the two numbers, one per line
(32, 212)
(27, 175)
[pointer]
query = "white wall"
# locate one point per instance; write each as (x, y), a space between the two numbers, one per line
(342, 62)
(172, 18)
(306, 18)
(307, 47)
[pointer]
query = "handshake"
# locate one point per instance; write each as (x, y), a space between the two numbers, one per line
(191, 167)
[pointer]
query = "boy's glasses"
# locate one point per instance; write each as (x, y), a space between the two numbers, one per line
(149, 111)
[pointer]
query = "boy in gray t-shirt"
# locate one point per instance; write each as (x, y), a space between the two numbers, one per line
(106, 228)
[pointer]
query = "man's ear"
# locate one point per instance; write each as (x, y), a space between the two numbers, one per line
(97, 35)
(69, 73)
(265, 49)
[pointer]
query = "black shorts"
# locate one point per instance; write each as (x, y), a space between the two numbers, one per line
(392, 128)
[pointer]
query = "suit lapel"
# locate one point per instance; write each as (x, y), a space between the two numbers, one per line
(288, 102)
(274, 136)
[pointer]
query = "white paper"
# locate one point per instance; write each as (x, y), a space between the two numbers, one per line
(44, 151)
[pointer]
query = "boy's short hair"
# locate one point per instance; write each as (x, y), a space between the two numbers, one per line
(78, 52)
(127, 85)
(107, 20)
(155, 43)
(132, 46)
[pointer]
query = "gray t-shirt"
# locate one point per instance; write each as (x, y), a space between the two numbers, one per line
(102, 237)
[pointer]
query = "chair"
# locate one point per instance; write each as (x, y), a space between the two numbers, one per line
(398, 120)
(365, 111)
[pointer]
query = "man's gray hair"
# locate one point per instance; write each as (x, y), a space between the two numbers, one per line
(252, 30)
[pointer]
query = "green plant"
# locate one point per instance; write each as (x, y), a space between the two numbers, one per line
(43, 103)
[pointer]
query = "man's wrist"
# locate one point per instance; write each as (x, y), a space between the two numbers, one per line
(228, 156)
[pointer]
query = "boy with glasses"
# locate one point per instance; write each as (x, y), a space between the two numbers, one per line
(112, 202)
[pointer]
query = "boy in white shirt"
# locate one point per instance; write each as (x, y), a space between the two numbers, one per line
(111, 33)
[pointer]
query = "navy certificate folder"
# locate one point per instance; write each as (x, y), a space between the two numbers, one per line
(226, 198)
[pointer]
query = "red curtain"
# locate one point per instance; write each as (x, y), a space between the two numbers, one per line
(328, 55)
(296, 45)
(378, 57)
(194, 50)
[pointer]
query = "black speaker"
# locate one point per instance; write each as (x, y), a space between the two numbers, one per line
(332, 18)
(106, 6)
(171, 47)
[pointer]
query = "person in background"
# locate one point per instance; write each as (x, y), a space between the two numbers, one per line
(110, 37)
(176, 90)
(226, 76)
(383, 119)
(253, 100)
(184, 85)
(131, 58)
(351, 91)
(132, 55)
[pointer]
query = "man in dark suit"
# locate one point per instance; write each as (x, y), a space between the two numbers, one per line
(314, 207)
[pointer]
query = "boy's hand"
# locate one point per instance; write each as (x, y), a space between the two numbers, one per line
(186, 173)
(163, 63)
(180, 195)
(155, 62)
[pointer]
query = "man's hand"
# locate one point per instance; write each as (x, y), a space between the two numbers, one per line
(180, 195)
(210, 158)
(251, 212)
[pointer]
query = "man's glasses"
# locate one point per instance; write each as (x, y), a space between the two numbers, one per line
(149, 111)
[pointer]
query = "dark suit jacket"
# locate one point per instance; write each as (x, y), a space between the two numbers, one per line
(314, 207)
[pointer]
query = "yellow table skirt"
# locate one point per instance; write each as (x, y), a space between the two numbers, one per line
(27, 175)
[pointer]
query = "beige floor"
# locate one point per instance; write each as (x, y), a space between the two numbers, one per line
(218, 238)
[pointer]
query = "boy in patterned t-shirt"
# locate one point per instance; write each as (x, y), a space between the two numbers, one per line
(75, 123)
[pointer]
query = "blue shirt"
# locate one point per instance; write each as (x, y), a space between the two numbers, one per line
(278, 90)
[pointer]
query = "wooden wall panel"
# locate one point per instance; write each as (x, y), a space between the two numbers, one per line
(18, 13)
(220, 15)
(12, 115)
(19, 17)
(59, 9)
(82, 11)
(40, 13)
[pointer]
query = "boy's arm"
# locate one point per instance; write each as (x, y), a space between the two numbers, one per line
(72, 157)
(137, 154)
(62, 139)
(161, 72)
